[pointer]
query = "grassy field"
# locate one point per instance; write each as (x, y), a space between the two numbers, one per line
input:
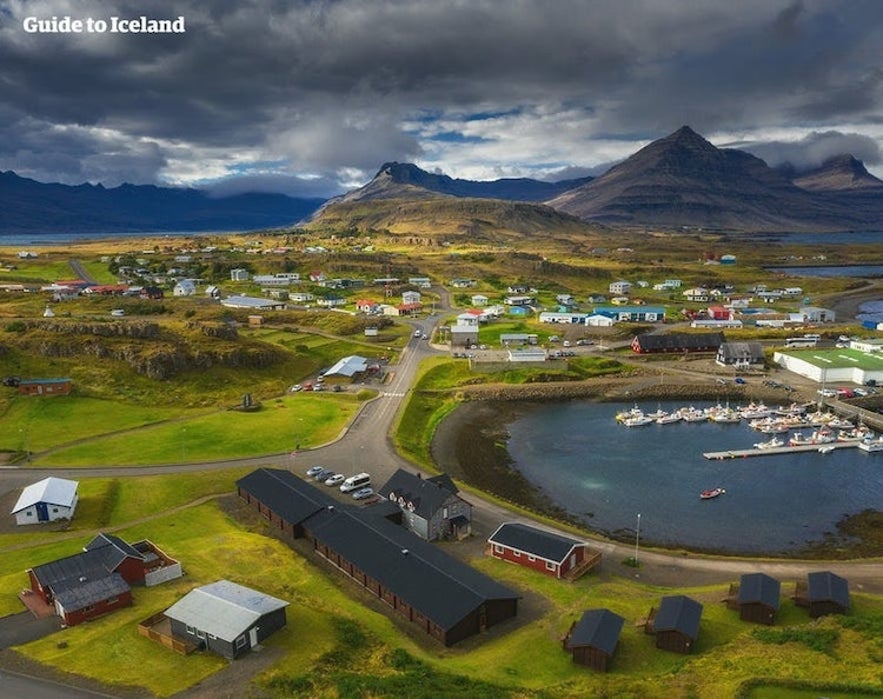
(335, 646)
(296, 421)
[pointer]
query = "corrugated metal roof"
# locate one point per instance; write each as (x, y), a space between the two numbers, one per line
(53, 491)
(223, 608)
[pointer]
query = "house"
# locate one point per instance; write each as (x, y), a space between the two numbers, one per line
(720, 313)
(677, 342)
(509, 339)
(185, 287)
(97, 580)
(301, 296)
(46, 501)
(462, 283)
(464, 335)
(532, 354)
(597, 320)
(226, 618)
(632, 314)
(411, 297)
(620, 288)
(555, 555)
(420, 282)
(675, 624)
(813, 314)
(469, 318)
(593, 639)
(479, 300)
(756, 597)
(568, 318)
(238, 274)
(366, 306)
(514, 300)
(331, 301)
(45, 387)
(823, 593)
(253, 303)
(431, 507)
(446, 599)
(697, 294)
(740, 355)
(347, 367)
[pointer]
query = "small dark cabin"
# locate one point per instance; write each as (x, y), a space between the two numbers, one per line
(593, 639)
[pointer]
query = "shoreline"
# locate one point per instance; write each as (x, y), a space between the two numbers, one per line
(470, 445)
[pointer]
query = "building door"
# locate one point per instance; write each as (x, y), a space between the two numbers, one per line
(42, 512)
(253, 636)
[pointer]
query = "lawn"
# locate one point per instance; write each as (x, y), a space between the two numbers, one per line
(296, 421)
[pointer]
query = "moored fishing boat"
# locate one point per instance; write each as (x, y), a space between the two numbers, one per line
(711, 493)
(773, 443)
(871, 445)
(638, 421)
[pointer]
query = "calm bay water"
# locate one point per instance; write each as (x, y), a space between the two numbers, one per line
(608, 473)
(832, 271)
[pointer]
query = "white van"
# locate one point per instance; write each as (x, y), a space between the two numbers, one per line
(360, 480)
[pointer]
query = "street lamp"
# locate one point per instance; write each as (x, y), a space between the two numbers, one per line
(637, 539)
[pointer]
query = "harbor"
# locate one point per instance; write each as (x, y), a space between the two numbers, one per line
(773, 451)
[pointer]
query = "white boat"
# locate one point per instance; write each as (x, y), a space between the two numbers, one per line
(668, 419)
(657, 414)
(692, 414)
(871, 445)
(638, 421)
(727, 416)
(773, 443)
(820, 436)
(826, 449)
(630, 413)
(754, 411)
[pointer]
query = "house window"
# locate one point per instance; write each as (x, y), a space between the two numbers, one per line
(240, 642)
(211, 637)
(200, 634)
(29, 514)
(550, 565)
(55, 509)
(191, 630)
(498, 548)
(517, 554)
(113, 600)
(531, 558)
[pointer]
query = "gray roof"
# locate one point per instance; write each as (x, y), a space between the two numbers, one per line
(426, 495)
(537, 542)
(115, 550)
(598, 628)
(89, 592)
(52, 491)
(223, 609)
(435, 584)
(759, 588)
(71, 570)
(828, 587)
(348, 366)
(679, 613)
(680, 341)
(287, 495)
(742, 350)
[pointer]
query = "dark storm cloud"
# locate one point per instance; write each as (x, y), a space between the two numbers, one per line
(335, 88)
(815, 148)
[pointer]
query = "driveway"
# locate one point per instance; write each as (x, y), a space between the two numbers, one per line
(24, 627)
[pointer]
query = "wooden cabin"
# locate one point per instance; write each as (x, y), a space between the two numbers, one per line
(675, 624)
(593, 639)
(823, 593)
(756, 596)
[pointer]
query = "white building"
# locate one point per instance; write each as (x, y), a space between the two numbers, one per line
(411, 297)
(620, 288)
(479, 300)
(238, 275)
(185, 287)
(46, 501)
(421, 282)
(813, 314)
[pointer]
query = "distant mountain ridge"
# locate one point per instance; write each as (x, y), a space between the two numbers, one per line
(842, 172)
(683, 180)
(28, 206)
(406, 181)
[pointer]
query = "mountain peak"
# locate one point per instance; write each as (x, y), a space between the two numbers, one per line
(840, 172)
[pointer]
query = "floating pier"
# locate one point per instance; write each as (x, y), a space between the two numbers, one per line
(744, 453)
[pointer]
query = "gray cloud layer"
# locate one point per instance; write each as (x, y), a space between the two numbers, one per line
(333, 89)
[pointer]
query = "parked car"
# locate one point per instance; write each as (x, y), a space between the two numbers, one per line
(418, 333)
(827, 392)
(324, 475)
(739, 380)
(314, 471)
(336, 479)
(363, 493)
(297, 387)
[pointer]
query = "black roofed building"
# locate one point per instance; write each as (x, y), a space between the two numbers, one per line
(97, 580)
(756, 597)
(740, 355)
(541, 550)
(447, 599)
(649, 343)
(283, 499)
(675, 624)
(823, 593)
(431, 507)
(593, 639)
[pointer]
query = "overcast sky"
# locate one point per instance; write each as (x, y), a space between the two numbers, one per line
(311, 98)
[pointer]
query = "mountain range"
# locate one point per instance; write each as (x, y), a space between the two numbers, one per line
(681, 180)
(28, 206)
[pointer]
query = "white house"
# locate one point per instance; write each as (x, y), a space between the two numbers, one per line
(620, 287)
(697, 293)
(600, 321)
(301, 296)
(185, 287)
(46, 501)
(479, 300)
(813, 314)
(468, 319)
(238, 275)
(410, 297)
(421, 282)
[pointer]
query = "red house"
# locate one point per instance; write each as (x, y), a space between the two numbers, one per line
(44, 387)
(545, 552)
(97, 580)
(720, 313)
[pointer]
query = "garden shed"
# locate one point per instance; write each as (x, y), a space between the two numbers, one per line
(675, 624)
(823, 593)
(756, 596)
(593, 639)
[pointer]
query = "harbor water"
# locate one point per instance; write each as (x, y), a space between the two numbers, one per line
(606, 474)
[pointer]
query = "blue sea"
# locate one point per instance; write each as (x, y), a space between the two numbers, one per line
(607, 474)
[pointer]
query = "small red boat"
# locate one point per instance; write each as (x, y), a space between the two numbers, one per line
(711, 493)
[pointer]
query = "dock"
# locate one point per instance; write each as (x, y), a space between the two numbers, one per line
(744, 453)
